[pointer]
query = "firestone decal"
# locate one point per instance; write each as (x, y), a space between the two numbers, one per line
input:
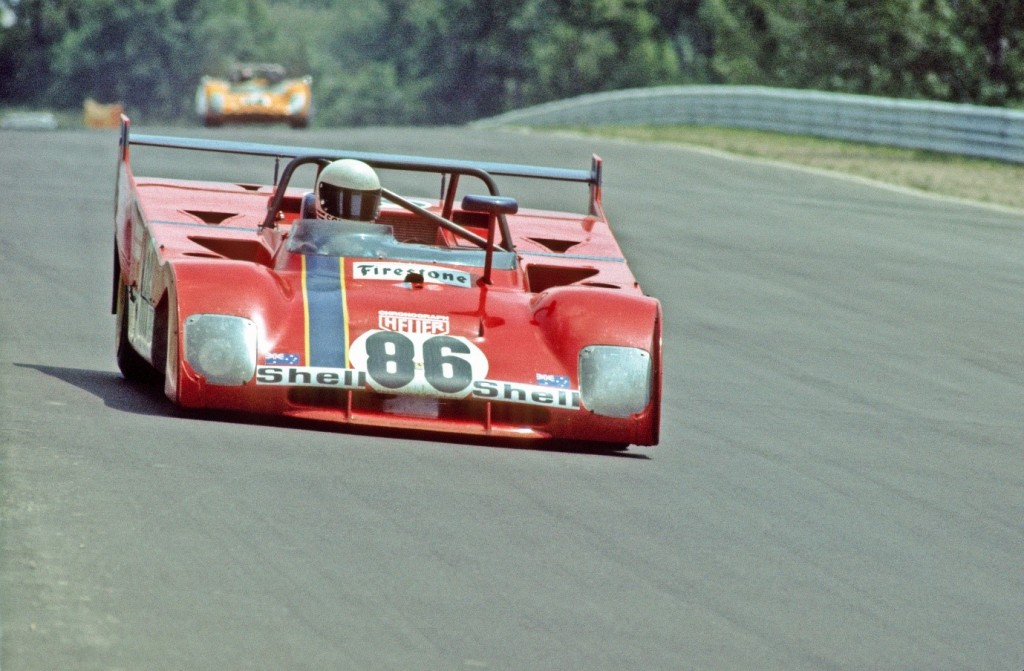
(398, 272)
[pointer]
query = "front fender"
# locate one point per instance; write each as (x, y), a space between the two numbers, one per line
(203, 287)
(573, 317)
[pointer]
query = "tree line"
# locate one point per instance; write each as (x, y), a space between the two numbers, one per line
(451, 61)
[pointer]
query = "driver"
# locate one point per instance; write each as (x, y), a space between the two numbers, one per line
(348, 189)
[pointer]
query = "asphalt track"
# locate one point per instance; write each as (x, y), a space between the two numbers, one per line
(840, 482)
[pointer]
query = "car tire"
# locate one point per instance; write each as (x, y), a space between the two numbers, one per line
(133, 367)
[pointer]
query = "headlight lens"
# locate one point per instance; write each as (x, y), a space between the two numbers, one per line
(296, 103)
(615, 381)
(221, 348)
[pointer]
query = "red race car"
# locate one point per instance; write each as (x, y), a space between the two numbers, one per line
(340, 300)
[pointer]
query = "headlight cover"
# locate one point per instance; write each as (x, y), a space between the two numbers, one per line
(296, 103)
(217, 103)
(615, 381)
(221, 348)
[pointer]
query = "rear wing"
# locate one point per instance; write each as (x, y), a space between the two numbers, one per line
(451, 169)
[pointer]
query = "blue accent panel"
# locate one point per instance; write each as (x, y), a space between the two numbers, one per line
(325, 300)
(307, 207)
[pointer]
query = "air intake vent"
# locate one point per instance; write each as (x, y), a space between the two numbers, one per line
(559, 246)
(239, 250)
(211, 217)
(544, 277)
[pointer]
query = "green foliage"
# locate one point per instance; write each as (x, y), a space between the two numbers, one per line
(449, 61)
(146, 54)
(105, 57)
(958, 50)
(742, 40)
(898, 48)
(610, 44)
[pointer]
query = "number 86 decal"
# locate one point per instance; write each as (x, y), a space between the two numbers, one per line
(413, 363)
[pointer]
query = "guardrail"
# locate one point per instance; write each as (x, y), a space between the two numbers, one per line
(969, 130)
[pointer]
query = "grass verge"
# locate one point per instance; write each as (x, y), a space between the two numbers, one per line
(981, 180)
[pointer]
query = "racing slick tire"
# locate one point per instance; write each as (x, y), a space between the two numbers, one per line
(133, 367)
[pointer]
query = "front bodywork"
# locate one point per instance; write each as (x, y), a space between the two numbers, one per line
(255, 94)
(531, 328)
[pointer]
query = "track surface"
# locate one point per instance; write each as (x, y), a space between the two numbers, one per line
(840, 482)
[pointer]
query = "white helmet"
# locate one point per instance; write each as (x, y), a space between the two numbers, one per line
(348, 189)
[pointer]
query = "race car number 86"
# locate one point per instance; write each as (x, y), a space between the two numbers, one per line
(417, 363)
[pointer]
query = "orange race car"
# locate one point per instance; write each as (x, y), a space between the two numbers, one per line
(255, 92)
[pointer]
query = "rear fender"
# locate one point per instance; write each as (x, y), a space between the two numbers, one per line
(124, 190)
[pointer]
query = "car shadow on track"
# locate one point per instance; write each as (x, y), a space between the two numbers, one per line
(116, 392)
(148, 399)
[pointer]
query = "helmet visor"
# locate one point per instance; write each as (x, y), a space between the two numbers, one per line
(349, 203)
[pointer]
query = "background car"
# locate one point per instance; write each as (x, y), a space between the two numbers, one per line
(255, 93)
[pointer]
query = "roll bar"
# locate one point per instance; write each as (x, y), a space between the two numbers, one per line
(449, 169)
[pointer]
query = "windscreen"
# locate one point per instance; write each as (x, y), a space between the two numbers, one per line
(326, 237)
